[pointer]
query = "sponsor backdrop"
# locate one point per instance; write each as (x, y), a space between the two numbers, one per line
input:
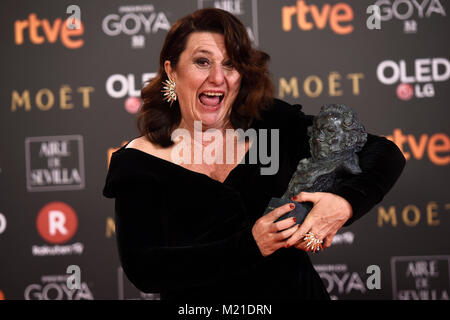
(69, 97)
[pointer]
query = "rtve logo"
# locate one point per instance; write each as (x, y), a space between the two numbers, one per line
(41, 30)
(435, 147)
(338, 16)
(57, 222)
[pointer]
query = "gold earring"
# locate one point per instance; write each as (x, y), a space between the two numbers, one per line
(170, 95)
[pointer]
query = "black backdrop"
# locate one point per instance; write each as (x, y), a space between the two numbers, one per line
(69, 99)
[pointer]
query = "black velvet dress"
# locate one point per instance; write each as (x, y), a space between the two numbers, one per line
(187, 236)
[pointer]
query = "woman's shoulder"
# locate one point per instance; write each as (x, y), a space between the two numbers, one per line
(141, 143)
(132, 164)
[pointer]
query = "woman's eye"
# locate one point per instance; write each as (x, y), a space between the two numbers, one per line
(202, 62)
(228, 64)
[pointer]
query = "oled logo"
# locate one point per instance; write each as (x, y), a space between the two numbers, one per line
(136, 22)
(337, 16)
(40, 31)
(415, 79)
(57, 223)
(408, 11)
(420, 278)
(244, 10)
(119, 86)
(55, 163)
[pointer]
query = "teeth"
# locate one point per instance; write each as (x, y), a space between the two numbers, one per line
(213, 94)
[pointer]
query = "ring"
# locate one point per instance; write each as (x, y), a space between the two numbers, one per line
(313, 243)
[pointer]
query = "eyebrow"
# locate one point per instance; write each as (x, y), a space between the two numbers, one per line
(203, 51)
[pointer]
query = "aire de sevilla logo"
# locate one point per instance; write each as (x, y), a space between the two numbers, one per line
(57, 222)
(40, 31)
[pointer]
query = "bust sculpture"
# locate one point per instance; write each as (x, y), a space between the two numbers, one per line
(335, 137)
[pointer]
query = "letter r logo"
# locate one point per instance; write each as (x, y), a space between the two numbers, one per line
(57, 222)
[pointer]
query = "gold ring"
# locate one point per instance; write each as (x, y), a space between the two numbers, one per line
(313, 244)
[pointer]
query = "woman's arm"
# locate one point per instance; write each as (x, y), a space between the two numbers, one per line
(381, 163)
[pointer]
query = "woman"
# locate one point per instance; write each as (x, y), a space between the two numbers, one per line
(195, 229)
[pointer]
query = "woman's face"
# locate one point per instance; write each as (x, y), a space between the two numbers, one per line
(206, 82)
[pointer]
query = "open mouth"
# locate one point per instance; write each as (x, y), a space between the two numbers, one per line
(211, 99)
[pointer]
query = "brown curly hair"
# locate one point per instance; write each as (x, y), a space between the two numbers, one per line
(156, 120)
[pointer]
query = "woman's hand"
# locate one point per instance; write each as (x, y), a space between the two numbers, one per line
(328, 215)
(271, 236)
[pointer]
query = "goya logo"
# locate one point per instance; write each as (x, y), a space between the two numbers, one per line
(136, 21)
(408, 11)
(40, 31)
(57, 222)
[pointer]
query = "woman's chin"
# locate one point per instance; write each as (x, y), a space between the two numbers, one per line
(211, 120)
(210, 116)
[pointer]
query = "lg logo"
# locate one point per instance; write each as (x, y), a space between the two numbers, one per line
(57, 222)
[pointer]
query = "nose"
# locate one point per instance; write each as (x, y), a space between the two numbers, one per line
(216, 75)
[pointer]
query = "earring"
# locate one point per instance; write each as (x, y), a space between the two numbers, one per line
(170, 94)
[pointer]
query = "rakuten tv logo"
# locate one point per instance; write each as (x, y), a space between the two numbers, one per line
(337, 16)
(57, 222)
(42, 30)
(415, 79)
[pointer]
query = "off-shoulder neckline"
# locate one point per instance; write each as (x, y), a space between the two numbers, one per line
(174, 165)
